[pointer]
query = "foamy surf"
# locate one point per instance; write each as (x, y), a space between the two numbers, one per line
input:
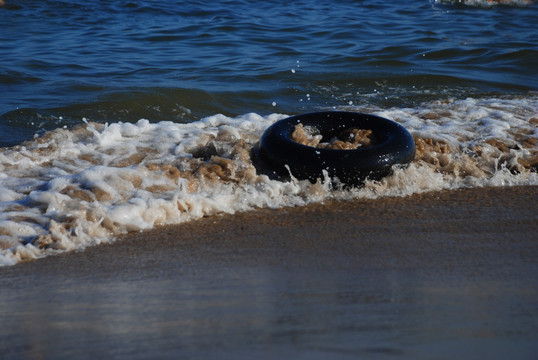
(73, 188)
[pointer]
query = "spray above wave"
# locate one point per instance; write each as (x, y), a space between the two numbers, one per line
(80, 187)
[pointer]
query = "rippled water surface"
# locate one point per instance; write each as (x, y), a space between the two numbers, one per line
(179, 61)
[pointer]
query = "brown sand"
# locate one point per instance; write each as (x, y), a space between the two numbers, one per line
(447, 272)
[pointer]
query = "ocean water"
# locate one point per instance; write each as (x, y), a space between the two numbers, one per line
(120, 116)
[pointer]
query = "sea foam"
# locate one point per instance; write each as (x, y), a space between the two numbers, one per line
(79, 187)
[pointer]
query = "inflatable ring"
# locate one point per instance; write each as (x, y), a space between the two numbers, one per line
(393, 145)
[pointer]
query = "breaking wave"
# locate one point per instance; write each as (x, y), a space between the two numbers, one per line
(79, 187)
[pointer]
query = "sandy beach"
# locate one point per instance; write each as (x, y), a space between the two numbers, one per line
(442, 275)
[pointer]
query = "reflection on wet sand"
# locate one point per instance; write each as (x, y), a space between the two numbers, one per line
(389, 278)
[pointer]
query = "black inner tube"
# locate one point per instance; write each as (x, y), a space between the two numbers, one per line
(393, 145)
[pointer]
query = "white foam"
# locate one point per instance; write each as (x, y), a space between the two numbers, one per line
(81, 187)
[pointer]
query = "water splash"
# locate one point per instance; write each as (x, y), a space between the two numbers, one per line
(79, 187)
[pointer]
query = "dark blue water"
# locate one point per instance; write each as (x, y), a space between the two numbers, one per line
(125, 60)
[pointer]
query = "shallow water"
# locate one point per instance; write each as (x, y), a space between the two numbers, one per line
(155, 110)
(122, 61)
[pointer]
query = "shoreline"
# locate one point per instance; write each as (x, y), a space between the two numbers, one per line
(445, 269)
(375, 217)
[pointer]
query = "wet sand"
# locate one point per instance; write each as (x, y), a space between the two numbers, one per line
(444, 275)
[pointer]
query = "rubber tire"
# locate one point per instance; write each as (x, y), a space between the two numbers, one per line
(394, 145)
